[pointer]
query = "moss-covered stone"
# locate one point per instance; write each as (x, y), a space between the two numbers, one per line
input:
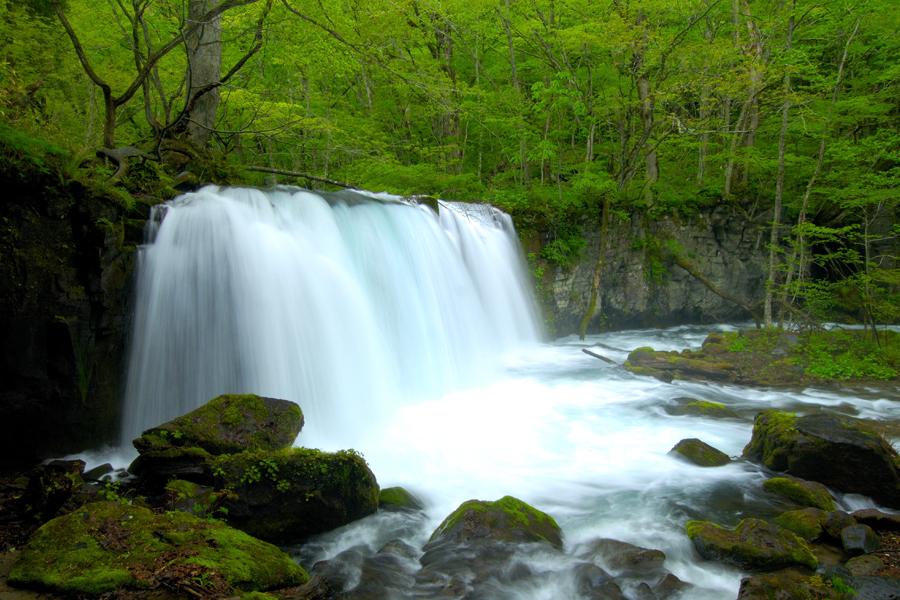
(398, 498)
(754, 544)
(703, 408)
(228, 423)
(807, 522)
(289, 494)
(505, 520)
(837, 451)
(789, 584)
(699, 453)
(804, 493)
(107, 546)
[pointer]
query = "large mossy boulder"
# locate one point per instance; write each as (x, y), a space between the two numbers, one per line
(753, 545)
(699, 453)
(226, 424)
(505, 520)
(184, 447)
(788, 584)
(111, 546)
(668, 365)
(289, 494)
(835, 450)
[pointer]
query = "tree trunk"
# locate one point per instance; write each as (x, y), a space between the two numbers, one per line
(204, 48)
(779, 181)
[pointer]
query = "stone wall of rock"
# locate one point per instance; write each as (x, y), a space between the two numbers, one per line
(640, 287)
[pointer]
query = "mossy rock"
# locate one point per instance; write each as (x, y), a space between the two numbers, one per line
(505, 520)
(289, 494)
(804, 493)
(228, 423)
(684, 365)
(808, 523)
(837, 451)
(156, 467)
(108, 546)
(703, 408)
(754, 545)
(699, 453)
(788, 584)
(398, 498)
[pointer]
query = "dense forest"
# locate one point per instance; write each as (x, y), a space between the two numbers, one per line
(574, 115)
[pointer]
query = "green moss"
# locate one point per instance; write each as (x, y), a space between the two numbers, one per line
(773, 431)
(229, 423)
(700, 453)
(752, 544)
(805, 493)
(105, 546)
(398, 498)
(506, 519)
(806, 522)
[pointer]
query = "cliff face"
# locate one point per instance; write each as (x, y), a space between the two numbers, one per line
(642, 287)
(66, 259)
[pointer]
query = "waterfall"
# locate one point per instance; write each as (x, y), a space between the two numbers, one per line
(346, 304)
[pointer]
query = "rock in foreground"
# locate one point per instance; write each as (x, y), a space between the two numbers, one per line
(505, 520)
(699, 453)
(291, 494)
(753, 544)
(108, 546)
(835, 450)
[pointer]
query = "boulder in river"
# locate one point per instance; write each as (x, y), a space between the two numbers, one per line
(835, 450)
(788, 584)
(398, 498)
(754, 545)
(804, 493)
(289, 494)
(699, 453)
(808, 522)
(111, 546)
(505, 520)
(701, 408)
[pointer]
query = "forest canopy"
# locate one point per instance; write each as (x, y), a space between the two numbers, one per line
(571, 114)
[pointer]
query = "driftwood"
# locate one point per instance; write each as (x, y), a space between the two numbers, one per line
(300, 175)
(590, 352)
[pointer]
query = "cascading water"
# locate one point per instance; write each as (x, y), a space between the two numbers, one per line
(347, 307)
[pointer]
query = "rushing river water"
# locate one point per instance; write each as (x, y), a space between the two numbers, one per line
(412, 337)
(587, 442)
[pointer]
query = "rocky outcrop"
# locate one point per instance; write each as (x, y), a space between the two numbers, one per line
(699, 453)
(291, 494)
(66, 259)
(111, 546)
(754, 544)
(642, 288)
(398, 498)
(835, 450)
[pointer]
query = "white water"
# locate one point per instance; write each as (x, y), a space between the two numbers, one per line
(349, 309)
(413, 340)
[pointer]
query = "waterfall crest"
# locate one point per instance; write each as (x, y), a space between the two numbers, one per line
(348, 306)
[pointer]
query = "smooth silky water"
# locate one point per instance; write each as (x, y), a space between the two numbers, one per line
(414, 339)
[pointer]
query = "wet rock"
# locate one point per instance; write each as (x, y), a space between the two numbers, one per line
(806, 522)
(155, 468)
(753, 544)
(671, 586)
(593, 582)
(198, 500)
(109, 546)
(675, 365)
(702, 408)
(859, 539)
(699, 453)
(804, 493)
(867, 587)
(877, 519)
(290, 494)
(50, 487)
(865, 564)
(835, 522)
(834, 450)
(505, 520)
(625, 559)
(398, 498)
(97, 473)
(227, 424)
(788, 584)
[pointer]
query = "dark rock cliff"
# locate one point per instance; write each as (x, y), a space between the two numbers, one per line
(641, 286)
(66, 261)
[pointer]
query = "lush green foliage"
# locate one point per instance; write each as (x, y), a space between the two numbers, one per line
(549, 109)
